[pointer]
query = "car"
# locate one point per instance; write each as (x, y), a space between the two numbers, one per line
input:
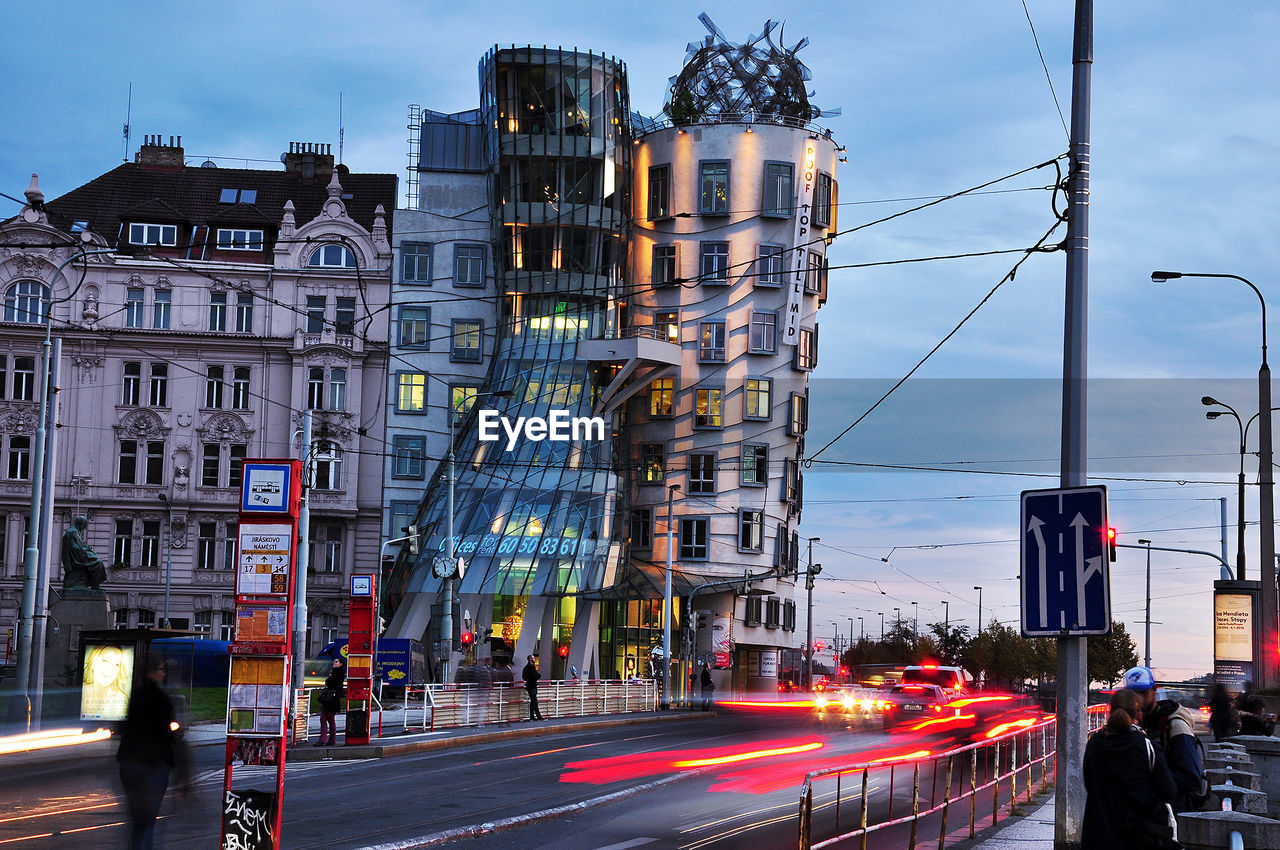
(846, 704)
(913, 703)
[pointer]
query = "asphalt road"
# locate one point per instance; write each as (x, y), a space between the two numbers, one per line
(697, 782)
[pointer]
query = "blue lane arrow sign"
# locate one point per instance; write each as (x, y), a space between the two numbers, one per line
(1066, 587)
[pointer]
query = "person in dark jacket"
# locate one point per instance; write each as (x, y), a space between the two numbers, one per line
(1254, 719)
(1222, 716)
(147, 753)
(330, 701)
(531, 676)
(1172, 727)
(1127, 783)
(708, 688)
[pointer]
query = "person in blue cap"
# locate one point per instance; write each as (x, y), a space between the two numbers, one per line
(1171, 726)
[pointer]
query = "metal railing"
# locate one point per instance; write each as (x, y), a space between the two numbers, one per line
(991, 764)
(472, 704)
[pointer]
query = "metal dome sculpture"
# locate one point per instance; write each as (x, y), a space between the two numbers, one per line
(722, 80)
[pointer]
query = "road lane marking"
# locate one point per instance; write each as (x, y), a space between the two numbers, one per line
(622, 845)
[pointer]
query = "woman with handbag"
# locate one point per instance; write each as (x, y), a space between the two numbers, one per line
(1128, 785)
(330, 700)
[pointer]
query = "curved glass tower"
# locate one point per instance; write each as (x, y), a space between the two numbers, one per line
(533, 519)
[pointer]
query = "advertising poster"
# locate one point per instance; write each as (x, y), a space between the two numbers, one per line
(1233, 639)
(107, 678)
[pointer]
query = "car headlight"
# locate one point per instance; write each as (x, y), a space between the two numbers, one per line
(820, 702)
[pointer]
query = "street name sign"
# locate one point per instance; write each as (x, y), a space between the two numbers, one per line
(1066, 582)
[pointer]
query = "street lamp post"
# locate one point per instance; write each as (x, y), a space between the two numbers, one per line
(882, 627)
(1214, 414)
(1264, 656)
(810, 574)
(862, 629)
(979, 589)
(915, 625)
(1147, 653)
(168, 562)
(665, 703)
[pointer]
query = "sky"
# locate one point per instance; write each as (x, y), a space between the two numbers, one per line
(934, 98)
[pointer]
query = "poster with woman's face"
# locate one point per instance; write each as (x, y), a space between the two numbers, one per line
(108, 678)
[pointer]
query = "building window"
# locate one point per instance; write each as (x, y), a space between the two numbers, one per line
(822, 192)
(328, 628)
(214, 381)
(131, 388)
(327, 466)
(706, 408)
(806, 356)
(344, 317)
(24, 302)
(127, 463)
(153, 234)
(218, 312)
(315, 388)
(150, 543)
(754, 464)
(19, 466)
(315, 313)
(244, 312)
(763, 334)
(661, 395)
(207, 546)
(332, 256)
(652, 463)
(468, 265)
(769, 265)
(714, 262)
(24, 379)
(752, 615)
(238, 196)
(772, 609)
(337, 389)
(750, 530)
(122, 552)
(227, 631)
(462, 397)
(133, 307)
(229, 553)
(798, 420)
(158, 396)
(757, 399)
(815, 274)
(415, 327)
(714, 188)
(235, 468)
(326, 548)
(668, 325)
(790, 480)
(777, 190)
(402, 514)
(695, 541)
(409, 453)
(203, 623)
(789, 615)
(240, 388)
(642, 528)
(702, 473)
(466, 341)
(664, 264)
(659, 192)
(161, 309)
(239, 239)
(155, 463)
(711, 342)
(121, 618)
(415, 262)
(210, 464)
(411, 392)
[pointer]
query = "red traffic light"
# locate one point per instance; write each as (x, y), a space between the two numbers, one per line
(564, 651)
(1111, 543)
(468, 638)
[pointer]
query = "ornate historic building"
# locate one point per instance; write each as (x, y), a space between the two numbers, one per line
(200, 310)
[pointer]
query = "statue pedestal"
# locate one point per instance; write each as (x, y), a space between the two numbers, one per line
(71, 615)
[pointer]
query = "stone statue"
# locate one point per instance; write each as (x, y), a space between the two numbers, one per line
(82, 569)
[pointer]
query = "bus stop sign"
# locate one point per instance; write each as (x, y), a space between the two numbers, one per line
(1066, 583)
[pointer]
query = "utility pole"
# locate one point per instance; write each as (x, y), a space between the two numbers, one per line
(1072, 679)
(665, 702)
(809, 575)
(1147, 654)
(301, 564)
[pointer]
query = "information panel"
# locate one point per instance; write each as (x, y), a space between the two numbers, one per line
(263, 559)
(256, 697)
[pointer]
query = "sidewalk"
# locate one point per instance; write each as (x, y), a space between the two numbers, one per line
(1034, 830)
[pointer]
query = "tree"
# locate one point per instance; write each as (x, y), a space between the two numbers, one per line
(952, 642)
(683, 109)
(1110, 655)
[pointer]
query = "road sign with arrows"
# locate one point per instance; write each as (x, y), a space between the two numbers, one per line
(1066, 584)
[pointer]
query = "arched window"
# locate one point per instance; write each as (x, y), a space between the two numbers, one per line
(332, 256)
(327, 465)
(24, 302)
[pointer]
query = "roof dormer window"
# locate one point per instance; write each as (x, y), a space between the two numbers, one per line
(237, 239)
(238, 196)
(153, 234)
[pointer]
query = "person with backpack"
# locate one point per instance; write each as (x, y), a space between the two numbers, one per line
(1127, 784)
(1170, 725)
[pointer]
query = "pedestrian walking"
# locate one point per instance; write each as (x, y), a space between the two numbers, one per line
(330, 700)
(708, 688)
(1128, 784)
(1172, 727)
(1222, 714)
(531, 677)
(147, 753)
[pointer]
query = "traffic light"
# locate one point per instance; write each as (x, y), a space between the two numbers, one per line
(564, 651)
(701, 619)
(467, 639)
(1111, 544)
(817, 646)
(413, 540)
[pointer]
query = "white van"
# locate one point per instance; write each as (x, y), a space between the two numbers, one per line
(951, 679)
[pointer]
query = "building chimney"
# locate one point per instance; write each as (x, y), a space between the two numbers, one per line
(310, 160)
(155, 153)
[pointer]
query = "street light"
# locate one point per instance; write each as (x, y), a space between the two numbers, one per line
(810, 574)
(915, 625)
(168, 566)
(665, 702)
(882, 627)
(1147, 654)
(979, 589)
(1214, 414)
(1263, 658)
(862, 629)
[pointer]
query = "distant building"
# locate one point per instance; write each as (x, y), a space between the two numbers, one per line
(262, 294)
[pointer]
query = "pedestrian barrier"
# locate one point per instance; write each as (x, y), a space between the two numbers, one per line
(471, 704)
(1014, 758)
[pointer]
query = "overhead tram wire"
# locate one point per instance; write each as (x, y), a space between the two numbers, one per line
(1047, 76)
